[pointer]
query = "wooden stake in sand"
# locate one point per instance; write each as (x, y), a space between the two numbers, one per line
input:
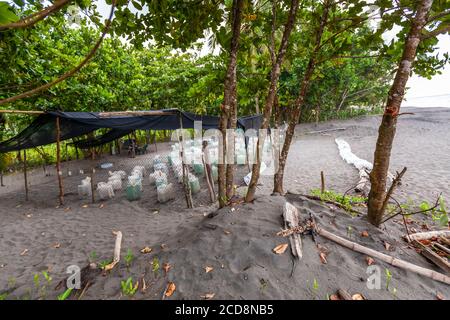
(186, 185)
(25, 176)
(383, 257)
(322, 184)
(92, 185)
(117, 248)
(58, 162)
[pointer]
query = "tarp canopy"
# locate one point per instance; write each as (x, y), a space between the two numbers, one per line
(42, 130)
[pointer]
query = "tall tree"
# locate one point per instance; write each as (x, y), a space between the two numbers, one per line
(416, 31)
(270, 99)
(228, 114)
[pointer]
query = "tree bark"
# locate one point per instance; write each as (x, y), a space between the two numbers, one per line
(386, 132)
(228, 116)
(274, 77)
(58, 162)
(298, 104)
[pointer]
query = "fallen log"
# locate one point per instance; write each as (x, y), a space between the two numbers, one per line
(428, 235)
(383, 257)
(117, 247)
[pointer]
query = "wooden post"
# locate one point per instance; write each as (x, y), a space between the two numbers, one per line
(154, 141)
(1, 179)
(25, 173)
(58, 161)
(187, 188)
(208, 172)
(92, 185)
(322, 179)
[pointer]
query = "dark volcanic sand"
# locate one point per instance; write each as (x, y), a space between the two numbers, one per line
(237, 243)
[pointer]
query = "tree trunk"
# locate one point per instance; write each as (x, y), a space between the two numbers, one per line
(298, 104)
(386, 132)
(274, 77)
(228, 116)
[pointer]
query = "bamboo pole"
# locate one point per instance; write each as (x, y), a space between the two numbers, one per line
(92, 185)
(384, 257)
(58, 161)
(322, 180)
(187, 188)
(25, 176)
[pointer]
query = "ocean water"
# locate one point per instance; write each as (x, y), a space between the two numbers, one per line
(442, 100)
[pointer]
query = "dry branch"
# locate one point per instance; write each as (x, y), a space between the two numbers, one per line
(429, 235)
(117, 248)
(291, 220)
(384, 257)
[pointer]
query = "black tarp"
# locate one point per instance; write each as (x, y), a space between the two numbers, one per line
(42, 130)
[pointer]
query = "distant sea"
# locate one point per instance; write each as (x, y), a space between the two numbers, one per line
(442, 100)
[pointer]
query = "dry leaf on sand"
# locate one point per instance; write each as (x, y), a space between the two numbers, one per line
(358, 296)
(208, 296)
(85, 206)
(208, 269)
(323, 257)
(280, 249)
(146, 250)
(166, 267)
(334, 297)
(370, 261)
(57, 245)
(170, 289)
(387, 245)
(439, 296)
(364, 234)
(24, 252)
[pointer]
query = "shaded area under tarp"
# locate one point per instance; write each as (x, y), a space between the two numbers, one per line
(42, 131)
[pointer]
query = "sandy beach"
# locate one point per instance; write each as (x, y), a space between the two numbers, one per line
(237, 242)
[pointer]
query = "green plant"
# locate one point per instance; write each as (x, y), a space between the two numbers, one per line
(129, 257)
(3, 296)
(155, 265)
(104, 263)
(347, 201)
(36, 280)
(388, 278)
(93, 256)
(47, 277)
(128, 288)
(65, 294)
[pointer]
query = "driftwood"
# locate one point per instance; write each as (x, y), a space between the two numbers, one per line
(441, 247)
(291, 220)
(383, 257)
(344, 295)
(432, 256)
(429, 235)
(117, 248)
(364, 167)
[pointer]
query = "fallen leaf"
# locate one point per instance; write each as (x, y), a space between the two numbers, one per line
(29, 215)
(146, 250)
(227, 232)
(85, 206)
(387, 245)
(280, 249)
(439, 296)
(170, 289)
(370, 261)
(208, 269)
(57, 245)
(155, 212)
(323, 257)
(334, 297)
(163, 246)
(208, 296)
(102, 206)
(24, 252)
(358, 296)
(67, 209)
(364, 234)
(166, 267)
(425, 242)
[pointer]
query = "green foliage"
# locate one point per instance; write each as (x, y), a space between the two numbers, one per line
(129, 257)
(3, 296)
(6, 13)
(104, 263)
(128, 288)
(155, 265)
(65, 294)
(388, 277)
(347, 201)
